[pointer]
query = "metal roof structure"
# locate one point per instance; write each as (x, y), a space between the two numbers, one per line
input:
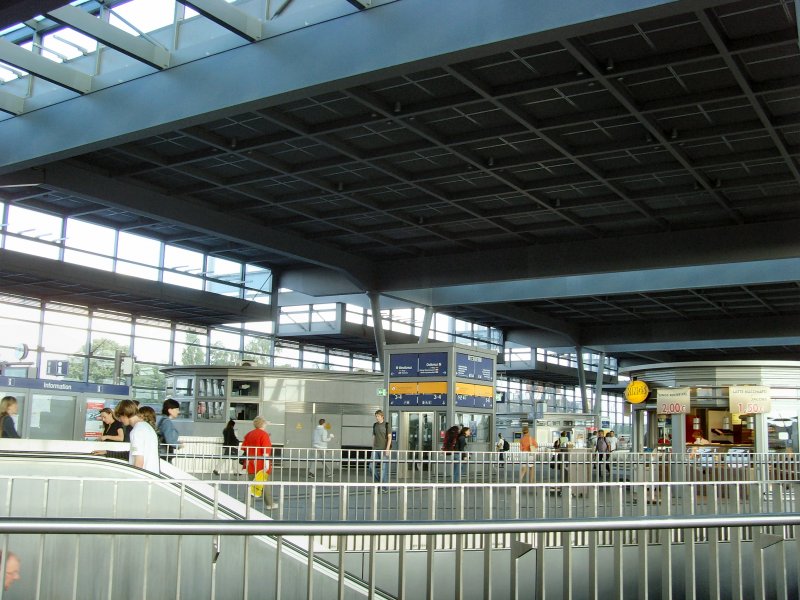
(623, 178)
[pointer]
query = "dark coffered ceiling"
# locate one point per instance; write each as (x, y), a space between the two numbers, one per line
(628, 184)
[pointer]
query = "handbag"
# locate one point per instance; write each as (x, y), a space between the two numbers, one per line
(257, 490)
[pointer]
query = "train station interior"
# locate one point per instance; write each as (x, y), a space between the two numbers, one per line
(509, 216)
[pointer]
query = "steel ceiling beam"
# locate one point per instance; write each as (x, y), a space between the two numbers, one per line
(195, 215)
(693, 334)
(93, 285)
(712, 28)
(361, 4)
(581, 54)
(281, 168)
(231, 18)
(350, 44)
(137, 47)
(35, 64)
(721, 256)
(11, 103)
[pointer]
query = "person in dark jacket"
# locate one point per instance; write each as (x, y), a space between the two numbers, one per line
(230, 446)
(461, 453)
(8, 408)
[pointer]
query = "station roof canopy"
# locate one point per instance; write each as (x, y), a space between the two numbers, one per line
(621, 176)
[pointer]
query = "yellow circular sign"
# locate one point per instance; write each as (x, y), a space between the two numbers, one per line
(636, 392)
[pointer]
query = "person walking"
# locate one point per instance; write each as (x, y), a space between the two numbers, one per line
(461, 453)
(381, 445)
(8, 408)
(526, 445)
(502, 447)
(603, 454)
(230, 447)
(257, 448)
(144, 441)
(319, 443)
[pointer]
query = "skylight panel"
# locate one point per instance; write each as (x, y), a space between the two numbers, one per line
(69, 43)
(143, 16)
(9, 73)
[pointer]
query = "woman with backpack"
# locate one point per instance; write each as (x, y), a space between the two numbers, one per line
(603, 449)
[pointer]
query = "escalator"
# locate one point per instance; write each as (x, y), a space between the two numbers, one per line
(46, 484)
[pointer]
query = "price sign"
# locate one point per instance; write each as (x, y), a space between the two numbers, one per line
(673, 401)
(749, 399)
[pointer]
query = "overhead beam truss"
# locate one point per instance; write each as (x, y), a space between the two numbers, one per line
(231, 18)
(137, 47)
(56, 73)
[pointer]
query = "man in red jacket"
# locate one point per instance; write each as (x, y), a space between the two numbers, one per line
(257, 448)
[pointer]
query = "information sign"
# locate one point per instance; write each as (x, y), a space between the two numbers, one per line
(749, 399)
(403, 394)
(432, 393)
(486, 370)
(465, 394)
(474, 367)
(77, 387)
(673, 401)
(403, 365)
(432, 364)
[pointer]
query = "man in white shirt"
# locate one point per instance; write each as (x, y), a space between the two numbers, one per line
(144, 441)
(611, 440)
(320, 443)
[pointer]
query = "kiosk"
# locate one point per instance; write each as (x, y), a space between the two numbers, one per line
(719, 405)
(435, 385)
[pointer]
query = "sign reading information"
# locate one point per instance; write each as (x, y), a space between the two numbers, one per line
(673, 401)
(749, 399)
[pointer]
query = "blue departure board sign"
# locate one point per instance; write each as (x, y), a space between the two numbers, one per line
(424, 364)
(432, 364)
(465, 401)
(474, 367)
(403, 365)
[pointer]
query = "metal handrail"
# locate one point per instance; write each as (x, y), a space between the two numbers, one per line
(28, 525)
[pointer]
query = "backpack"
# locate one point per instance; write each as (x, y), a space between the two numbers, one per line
(451, 438)
(506, 445)
(602, 444)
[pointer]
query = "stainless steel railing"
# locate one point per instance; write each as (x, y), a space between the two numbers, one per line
(758, 566)
(407, 501)
(545, 465)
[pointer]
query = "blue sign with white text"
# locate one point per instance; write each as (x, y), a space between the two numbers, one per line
(403, 365)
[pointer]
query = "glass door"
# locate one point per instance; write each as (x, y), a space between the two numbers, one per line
(418, 438)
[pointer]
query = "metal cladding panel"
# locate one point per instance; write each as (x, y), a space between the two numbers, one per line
(778, 374)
